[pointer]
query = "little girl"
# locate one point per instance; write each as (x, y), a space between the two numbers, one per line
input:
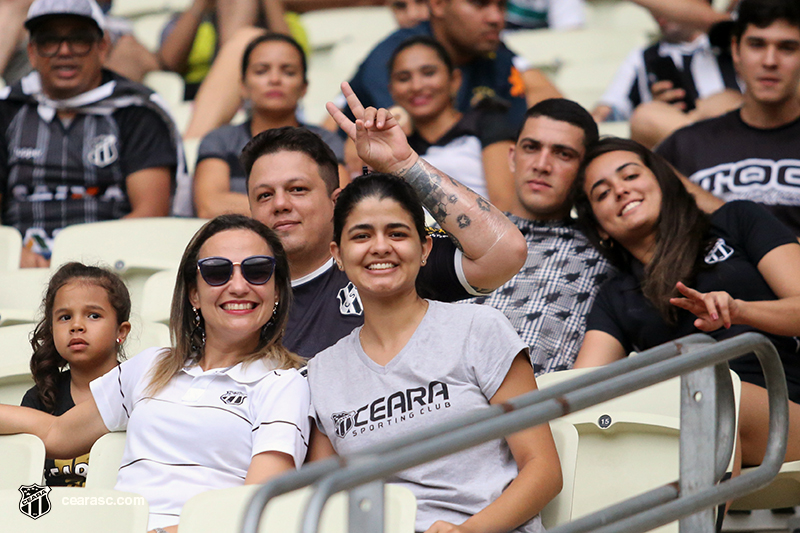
(84, 324)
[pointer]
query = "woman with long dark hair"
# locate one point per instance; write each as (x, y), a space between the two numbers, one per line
(684, 271)
(224, 405)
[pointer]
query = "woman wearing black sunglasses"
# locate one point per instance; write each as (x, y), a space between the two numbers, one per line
(222, 407)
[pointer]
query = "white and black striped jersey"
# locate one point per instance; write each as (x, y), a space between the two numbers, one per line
(54, 172)
(695, 67)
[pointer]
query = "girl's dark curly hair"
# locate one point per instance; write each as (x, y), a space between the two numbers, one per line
(46, 362)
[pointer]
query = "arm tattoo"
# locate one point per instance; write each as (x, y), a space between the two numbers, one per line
(463, 221)
(483, 204)
(429, 189)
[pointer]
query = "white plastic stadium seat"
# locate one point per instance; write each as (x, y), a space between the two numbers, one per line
(137, 8)
(15, 373)
(10, 248)
(104, 460)
(23, 461)
(366, 24)
(582, 62)
(148, 28)
(21, 293)
(626, 446)
(620, 129)
(621, 15)
(73, 510)
(157, 296)
(221, 511)
(559, 510)
(146, 335)
(135, 248)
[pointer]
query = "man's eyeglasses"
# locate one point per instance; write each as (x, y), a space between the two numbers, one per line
(79, 44)
(256, 269)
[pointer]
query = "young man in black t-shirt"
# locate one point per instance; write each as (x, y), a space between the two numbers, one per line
(752, 153)
(292, 186)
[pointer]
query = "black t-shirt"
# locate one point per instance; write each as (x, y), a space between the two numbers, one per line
(735, 161)
(744, 234)
(327, 306)
(60, 472)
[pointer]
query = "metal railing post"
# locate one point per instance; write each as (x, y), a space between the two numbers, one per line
(366, 508)
(698, 443)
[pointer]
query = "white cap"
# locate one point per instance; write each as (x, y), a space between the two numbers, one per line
(42, 9)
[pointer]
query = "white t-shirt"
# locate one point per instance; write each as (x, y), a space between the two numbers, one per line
(201, 431)
(454, 363)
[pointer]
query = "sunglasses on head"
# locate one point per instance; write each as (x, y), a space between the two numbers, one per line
(256, 269)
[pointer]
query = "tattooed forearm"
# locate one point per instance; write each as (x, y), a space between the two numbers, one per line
(463, 221)
(428, 185)
(483, 204)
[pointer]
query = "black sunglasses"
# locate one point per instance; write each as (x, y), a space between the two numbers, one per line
(79, 44)
(256, 269)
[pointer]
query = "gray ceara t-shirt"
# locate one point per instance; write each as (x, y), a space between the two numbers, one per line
(454, 363)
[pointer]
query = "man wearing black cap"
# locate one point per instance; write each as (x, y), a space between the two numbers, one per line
(80, 143)
(752, 153)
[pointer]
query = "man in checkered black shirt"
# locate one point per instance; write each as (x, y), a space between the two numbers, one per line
(79, 143)
(547, 302)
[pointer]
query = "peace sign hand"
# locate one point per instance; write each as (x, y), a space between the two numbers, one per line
(379, 139)
(712, 309)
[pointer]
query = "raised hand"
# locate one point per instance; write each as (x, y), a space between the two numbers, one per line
(379, 139)
(712, 309)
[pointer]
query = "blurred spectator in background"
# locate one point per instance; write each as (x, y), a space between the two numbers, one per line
(676, 81)
(470, 33)
(751, 153)
(217, 100)
(191, 41)
(539, 14)
(273, 81)
(126, 55)
(409, 13)
(472, 145)
(82, 143)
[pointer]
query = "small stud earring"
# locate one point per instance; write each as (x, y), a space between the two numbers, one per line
(119, 341)
(338, 264)
(423, 261)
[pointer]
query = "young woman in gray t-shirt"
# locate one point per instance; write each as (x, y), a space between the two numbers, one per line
(416, 363)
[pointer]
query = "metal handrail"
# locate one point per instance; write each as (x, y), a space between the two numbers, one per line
(628, 375)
